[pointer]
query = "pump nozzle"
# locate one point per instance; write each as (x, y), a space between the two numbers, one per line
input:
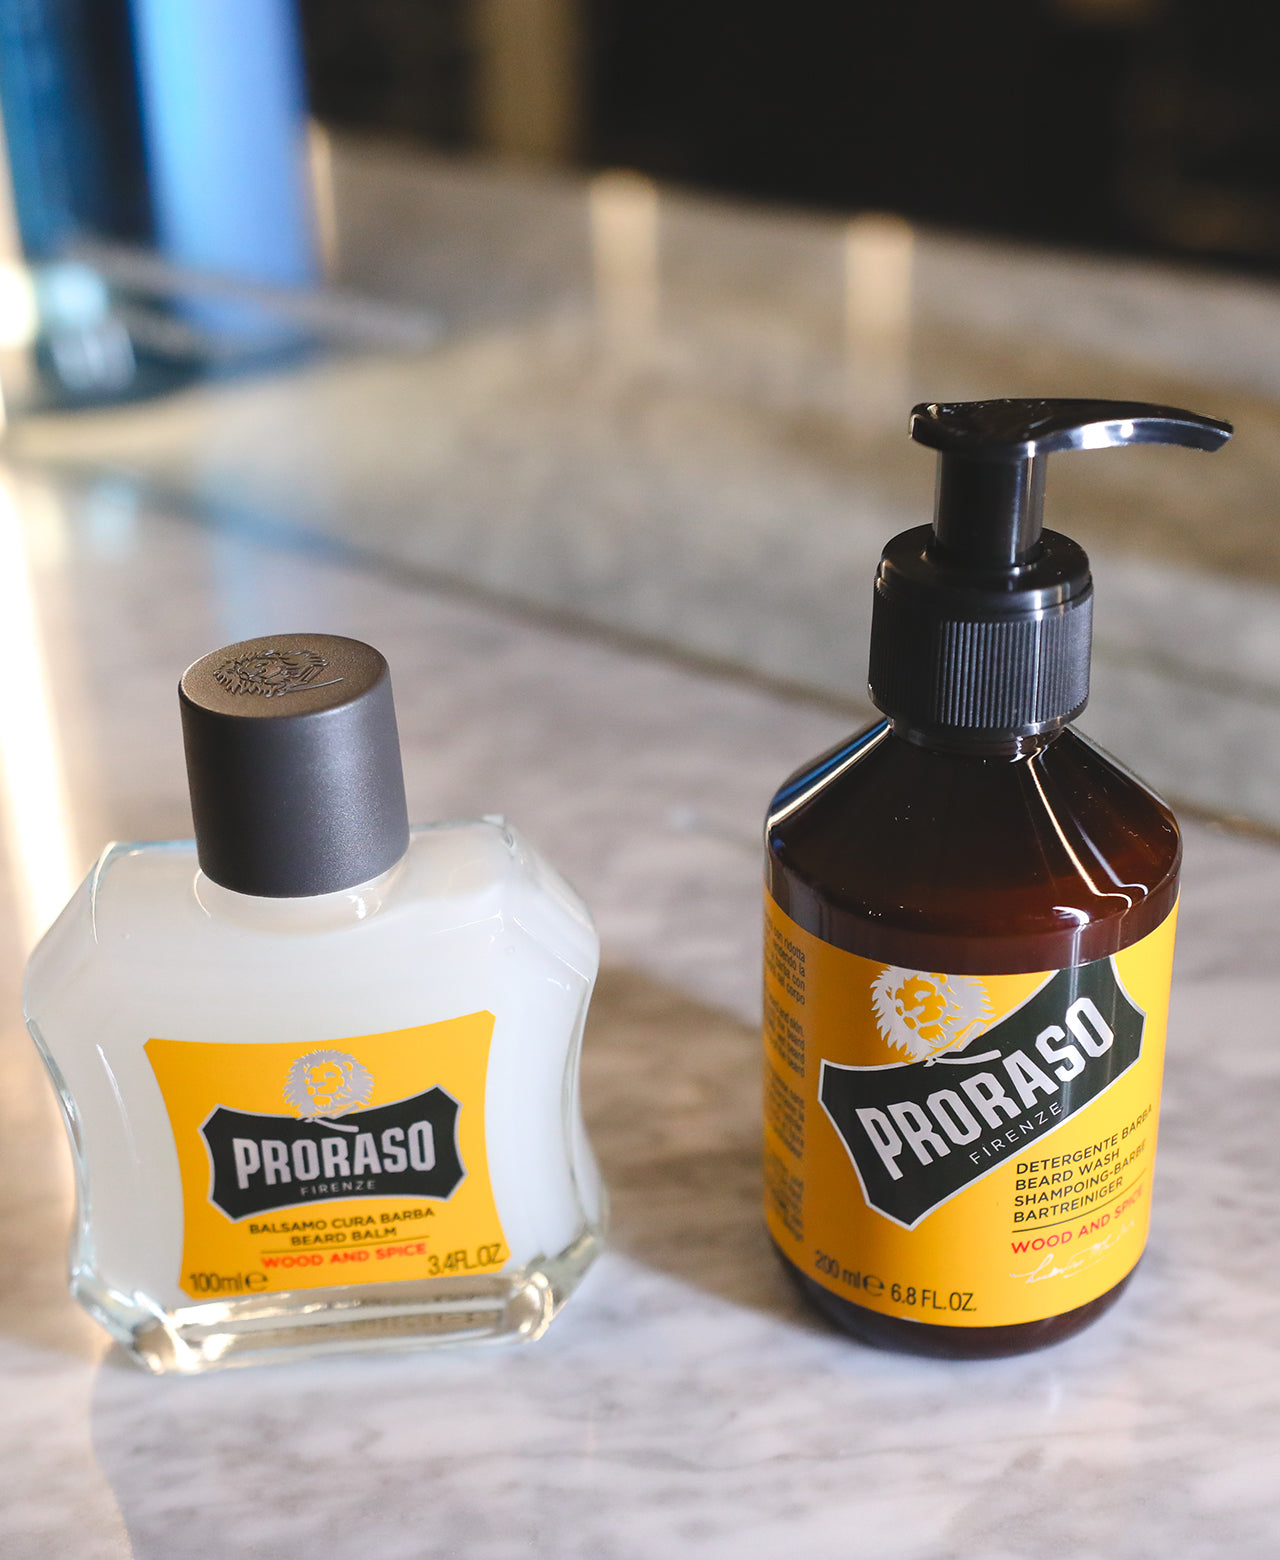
(982, 621)
(991, 463)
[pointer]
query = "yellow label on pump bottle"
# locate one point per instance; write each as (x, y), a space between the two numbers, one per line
(966, 1150)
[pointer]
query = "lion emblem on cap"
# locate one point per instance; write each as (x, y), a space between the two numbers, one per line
(272, 672)
(327, 1083)
(923, 1014)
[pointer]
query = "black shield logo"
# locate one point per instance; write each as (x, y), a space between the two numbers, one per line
(406, 1149)
(920, 1132)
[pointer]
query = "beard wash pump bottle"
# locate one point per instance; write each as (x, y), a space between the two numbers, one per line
(319, 1070)
(969, 932)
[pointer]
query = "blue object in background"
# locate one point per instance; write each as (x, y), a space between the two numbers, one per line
(69, 96)
(224, 123)
(33, 73)
(178, 125)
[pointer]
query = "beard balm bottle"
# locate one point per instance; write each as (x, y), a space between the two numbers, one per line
(319, 1070)
(969, 932)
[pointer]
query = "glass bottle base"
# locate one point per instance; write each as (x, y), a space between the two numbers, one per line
(947, 1343)
(518, 1305)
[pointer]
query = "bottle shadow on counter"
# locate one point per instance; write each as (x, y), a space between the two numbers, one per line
(671, 1092)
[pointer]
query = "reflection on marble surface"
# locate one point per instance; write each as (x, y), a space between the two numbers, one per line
(685, 421)
(685, 1404)
(42, 847)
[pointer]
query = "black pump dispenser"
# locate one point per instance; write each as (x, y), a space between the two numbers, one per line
(981, 624)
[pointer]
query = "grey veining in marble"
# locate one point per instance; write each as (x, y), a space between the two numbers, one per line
(685, 1404)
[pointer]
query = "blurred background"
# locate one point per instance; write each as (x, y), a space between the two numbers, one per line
(607, 315)
(1145, 126)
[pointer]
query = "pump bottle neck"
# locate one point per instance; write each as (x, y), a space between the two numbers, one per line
(975, 744)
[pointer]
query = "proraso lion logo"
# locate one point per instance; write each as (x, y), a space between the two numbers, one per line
(327, 1083)
(273, 673)
(923, 1013)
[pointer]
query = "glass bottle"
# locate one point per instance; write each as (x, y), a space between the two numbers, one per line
(1043, 856)
(319, 1071)
(970, 915)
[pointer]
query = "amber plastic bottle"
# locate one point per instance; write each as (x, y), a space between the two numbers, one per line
(972, 831)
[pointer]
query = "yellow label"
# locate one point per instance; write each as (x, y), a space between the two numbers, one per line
(966, 1150)
(357, 1161)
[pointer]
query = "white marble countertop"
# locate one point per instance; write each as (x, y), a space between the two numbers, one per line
(685, 1404)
